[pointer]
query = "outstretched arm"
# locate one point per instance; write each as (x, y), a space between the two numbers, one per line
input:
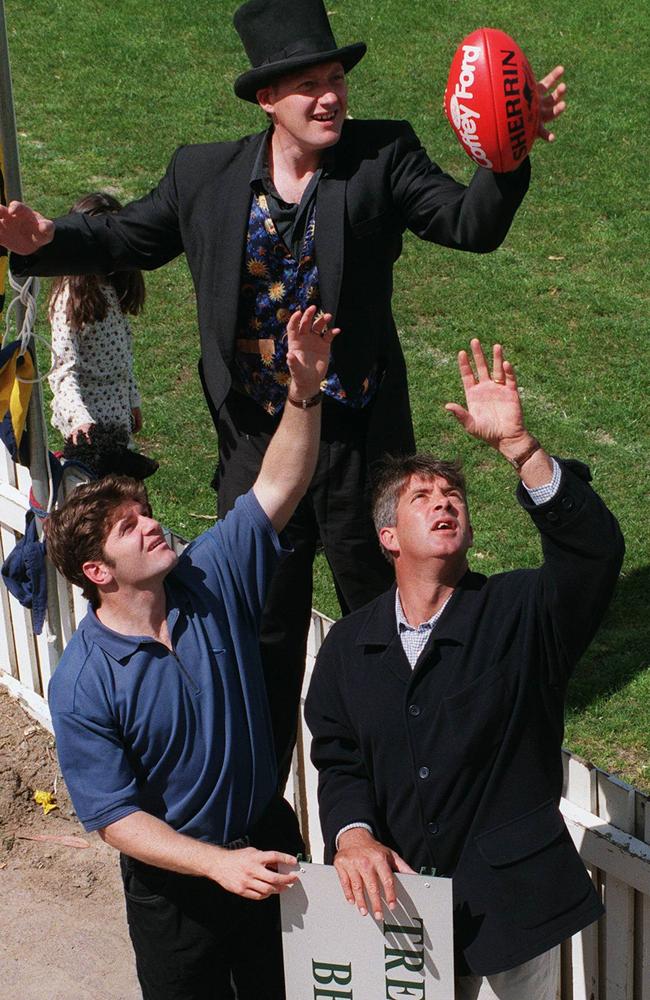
(494, 414)
(290, 458)
(582, 543)
(22, 230)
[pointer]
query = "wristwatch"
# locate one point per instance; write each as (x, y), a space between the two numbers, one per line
(520, 460)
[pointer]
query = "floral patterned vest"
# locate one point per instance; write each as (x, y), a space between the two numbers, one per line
(273, 285)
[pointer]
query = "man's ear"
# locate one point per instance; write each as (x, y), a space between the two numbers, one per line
(388, 538)
(265, 99)
(98, 573)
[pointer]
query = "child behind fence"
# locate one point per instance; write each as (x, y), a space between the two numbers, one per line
(96, 403)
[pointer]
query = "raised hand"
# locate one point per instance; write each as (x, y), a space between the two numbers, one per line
(494, 412)
(290, 458)
(22, 230)
(308, 349)
(551, 101)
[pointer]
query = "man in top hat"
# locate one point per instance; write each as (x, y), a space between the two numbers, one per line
(310, 211)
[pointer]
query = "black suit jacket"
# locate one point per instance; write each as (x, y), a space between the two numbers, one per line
(457, 764)
(381, 182)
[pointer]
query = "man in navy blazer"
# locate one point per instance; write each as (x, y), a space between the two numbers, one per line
(311, 211)
(437, 710)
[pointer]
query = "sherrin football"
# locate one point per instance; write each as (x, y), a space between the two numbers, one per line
(491, 100)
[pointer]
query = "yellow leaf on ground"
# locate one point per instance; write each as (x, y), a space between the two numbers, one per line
(45, 799)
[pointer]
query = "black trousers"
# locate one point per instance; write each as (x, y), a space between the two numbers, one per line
(195, 941)
(335, 513)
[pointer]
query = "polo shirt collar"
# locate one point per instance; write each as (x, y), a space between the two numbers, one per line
(115, 644)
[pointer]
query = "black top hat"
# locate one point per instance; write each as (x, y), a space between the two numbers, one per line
(281, 36)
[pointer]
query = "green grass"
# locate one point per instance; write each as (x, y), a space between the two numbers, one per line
(105, 93)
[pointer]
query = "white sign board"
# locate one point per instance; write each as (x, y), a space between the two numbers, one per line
(331, 952)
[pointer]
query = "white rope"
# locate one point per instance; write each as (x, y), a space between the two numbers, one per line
(27, 295)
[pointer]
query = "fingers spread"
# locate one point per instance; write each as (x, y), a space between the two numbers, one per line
(462, 416)
(509, 372)
(307, 321)
(294, 323)
(321, 322)
(546, 136)
(466, 372)
(551, 78)
(497, 364)
(479, 359)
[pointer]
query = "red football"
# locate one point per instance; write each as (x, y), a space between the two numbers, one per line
(491, 100)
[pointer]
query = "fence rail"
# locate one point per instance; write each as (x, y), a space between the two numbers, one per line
(608, 820)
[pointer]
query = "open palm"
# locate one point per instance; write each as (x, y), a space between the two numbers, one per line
(308, 348)
(493, 412)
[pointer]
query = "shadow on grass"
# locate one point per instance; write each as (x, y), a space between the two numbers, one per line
(621, 648)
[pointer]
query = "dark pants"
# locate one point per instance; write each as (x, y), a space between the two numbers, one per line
(335, 513)
(195, 941)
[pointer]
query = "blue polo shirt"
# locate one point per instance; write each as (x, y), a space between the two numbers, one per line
(185, 736)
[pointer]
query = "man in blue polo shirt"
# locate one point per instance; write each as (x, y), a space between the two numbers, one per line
(160, 710)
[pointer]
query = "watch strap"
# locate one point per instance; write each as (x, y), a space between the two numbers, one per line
(306, 404)
(520, 460)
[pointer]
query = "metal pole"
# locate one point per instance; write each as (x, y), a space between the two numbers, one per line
(38, 448)
(7, 117)
(8, 139)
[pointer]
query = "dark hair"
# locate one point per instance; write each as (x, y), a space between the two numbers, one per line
(87, 302)
(77, 531)
(393, 475)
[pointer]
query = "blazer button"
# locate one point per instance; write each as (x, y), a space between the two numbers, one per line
(553, 516)
(433, 828)
(414, 710)
(424, 772)
(568, 503)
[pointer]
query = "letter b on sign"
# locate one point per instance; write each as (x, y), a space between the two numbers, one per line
(327, 974)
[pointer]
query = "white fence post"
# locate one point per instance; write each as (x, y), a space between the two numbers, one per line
(580, 954)
(616, 805)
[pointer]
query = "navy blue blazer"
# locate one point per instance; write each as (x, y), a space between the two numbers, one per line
(457, 764)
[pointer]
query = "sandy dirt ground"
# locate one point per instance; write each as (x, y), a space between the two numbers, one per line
(63, 930)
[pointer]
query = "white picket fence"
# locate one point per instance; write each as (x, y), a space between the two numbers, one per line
(608, 820)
